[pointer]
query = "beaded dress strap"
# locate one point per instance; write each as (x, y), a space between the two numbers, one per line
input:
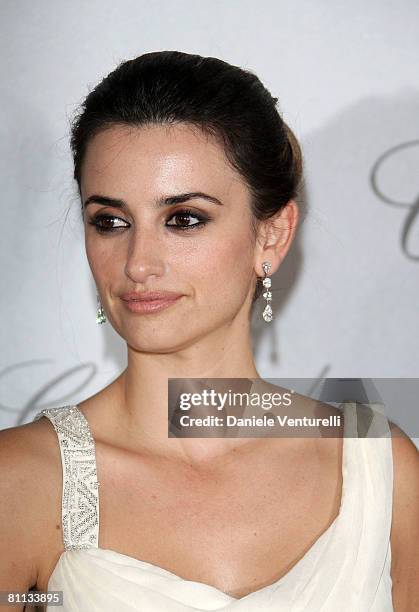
(80, 499)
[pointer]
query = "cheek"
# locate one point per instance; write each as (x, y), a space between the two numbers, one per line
(220, 270)
(101, 259)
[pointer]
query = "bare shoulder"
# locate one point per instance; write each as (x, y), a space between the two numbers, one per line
(405, 466)
(405, 521)
(30, 482)
(27, 451)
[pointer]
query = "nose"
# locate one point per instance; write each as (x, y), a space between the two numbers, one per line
(145, 256)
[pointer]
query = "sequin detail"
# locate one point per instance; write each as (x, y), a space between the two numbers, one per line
(80, 498)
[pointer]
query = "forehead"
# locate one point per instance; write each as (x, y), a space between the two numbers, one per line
(157, 159)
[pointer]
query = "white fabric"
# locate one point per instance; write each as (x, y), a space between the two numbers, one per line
(346, 570)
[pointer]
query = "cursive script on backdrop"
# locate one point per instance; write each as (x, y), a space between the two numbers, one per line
(412, 208)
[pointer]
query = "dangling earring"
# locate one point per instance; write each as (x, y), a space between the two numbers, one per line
(100, 315)
(267, 294)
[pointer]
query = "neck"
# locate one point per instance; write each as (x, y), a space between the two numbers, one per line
(141, 394)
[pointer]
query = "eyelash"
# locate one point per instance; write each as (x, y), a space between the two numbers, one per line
(186, 212)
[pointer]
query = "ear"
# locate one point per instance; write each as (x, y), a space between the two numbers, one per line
(274, 237)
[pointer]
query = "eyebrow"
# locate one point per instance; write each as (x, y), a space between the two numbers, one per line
(166, 201)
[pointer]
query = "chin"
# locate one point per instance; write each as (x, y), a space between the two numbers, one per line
(159, 341)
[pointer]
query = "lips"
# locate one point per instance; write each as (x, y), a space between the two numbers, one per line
(150, 296)
(150, 302)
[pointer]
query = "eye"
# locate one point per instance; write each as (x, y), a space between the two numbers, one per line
(183, 216)
(103, 223)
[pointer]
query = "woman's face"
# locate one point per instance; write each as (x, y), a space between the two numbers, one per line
(212, 263)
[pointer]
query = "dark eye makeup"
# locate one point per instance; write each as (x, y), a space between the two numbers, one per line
(101, 221)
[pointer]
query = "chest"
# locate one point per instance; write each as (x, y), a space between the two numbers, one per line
(238, 528)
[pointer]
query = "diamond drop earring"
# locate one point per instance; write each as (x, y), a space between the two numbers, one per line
(100, 314)
(267, 294)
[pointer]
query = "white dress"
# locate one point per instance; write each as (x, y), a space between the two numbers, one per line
(346, 570)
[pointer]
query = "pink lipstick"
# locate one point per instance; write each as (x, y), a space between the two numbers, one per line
(149, 301)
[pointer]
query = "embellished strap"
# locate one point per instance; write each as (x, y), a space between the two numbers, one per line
(80, 499)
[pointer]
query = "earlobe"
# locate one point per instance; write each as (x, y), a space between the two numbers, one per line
(276, 234)
(279, 230)
(282, 230)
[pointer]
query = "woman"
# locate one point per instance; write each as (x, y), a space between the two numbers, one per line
(188, 176)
